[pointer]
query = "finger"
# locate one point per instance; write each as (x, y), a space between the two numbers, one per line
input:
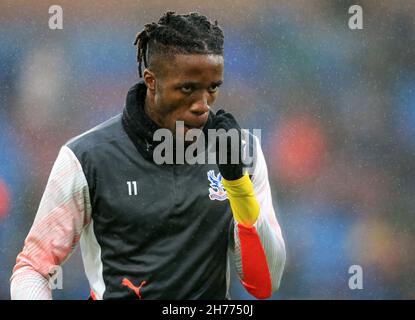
(220, 111)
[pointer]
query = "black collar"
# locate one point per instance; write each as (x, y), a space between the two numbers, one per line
(138, 125)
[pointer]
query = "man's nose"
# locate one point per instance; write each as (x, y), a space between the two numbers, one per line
(200, 107)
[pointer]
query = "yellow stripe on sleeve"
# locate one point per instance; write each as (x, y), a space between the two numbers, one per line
(244, 205)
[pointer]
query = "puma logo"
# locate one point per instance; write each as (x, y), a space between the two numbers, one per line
(127, 283)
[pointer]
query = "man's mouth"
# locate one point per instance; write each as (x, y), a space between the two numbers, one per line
(189, 126)
(182, 132)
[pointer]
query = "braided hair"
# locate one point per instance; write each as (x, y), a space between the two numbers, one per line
(178, 34)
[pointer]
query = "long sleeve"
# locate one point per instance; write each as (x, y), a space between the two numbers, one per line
(259, 249)
(63, 212)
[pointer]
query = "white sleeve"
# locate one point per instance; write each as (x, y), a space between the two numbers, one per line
(266, 228)
(63, 212)
(267, 225)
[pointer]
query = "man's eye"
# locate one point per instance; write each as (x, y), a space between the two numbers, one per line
(186, 89)
(213, 88)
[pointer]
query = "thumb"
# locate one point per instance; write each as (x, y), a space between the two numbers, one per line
(220, 111)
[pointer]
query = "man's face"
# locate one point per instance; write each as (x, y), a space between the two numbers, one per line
(183, 88)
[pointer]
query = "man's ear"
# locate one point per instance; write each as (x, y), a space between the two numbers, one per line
(149, 79)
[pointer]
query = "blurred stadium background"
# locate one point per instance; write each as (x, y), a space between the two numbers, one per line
(336, 108)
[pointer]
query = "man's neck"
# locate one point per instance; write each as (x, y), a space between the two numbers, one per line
(149, 110)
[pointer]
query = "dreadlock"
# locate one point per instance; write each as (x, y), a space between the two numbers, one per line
(178, 34)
